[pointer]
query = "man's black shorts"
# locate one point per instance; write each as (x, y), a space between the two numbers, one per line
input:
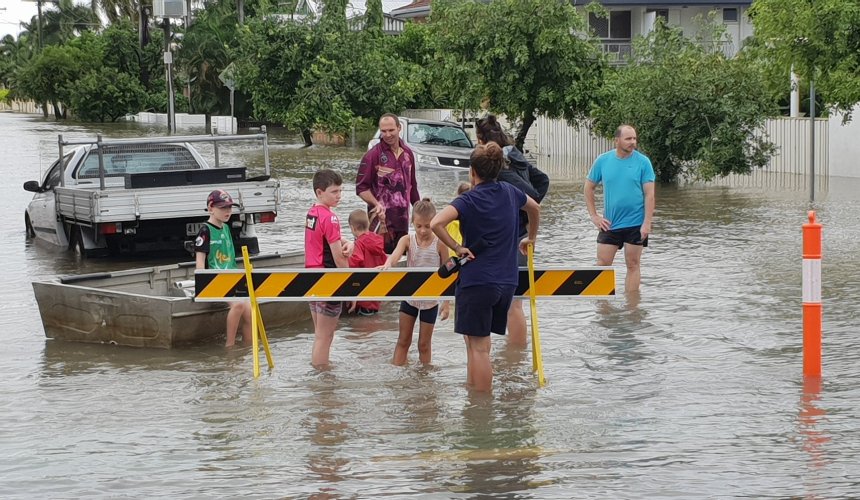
(619, 237)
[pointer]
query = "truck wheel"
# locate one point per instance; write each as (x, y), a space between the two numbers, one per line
(31, 233)
(76, 242)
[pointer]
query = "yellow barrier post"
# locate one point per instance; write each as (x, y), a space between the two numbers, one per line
(258, 330)
(537, 360)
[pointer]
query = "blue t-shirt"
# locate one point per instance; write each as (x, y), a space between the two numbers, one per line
(490, 212)
(623, 196)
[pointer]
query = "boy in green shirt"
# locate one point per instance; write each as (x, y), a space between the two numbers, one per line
(213, 249)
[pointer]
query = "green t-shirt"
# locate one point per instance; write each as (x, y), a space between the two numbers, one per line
(217, 244)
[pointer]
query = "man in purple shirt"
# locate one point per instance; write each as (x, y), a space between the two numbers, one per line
(386, 182)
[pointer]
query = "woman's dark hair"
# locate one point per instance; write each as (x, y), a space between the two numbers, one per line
(488, 130)
(487, 161)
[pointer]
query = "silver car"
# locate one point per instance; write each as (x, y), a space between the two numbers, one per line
(436, 144)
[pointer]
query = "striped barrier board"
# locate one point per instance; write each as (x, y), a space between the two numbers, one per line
(392, 284)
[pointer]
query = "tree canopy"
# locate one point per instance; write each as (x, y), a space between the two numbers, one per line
(320, 75)
(697, 113)
(522, 58)
(820, 39)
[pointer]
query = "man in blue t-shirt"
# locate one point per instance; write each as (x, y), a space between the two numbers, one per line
(628, 202)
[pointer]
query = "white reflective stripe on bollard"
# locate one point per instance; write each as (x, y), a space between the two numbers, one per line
(811, 281)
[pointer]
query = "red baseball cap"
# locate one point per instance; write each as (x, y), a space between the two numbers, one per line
(220, 199)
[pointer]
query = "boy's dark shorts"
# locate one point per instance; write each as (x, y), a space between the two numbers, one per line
(481, 309)
(619, 237)
(330, 309)
(423, 315)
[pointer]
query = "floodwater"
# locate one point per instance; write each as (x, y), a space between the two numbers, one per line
(692, 390)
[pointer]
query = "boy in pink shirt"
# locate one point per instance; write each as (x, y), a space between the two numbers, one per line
(324, 248)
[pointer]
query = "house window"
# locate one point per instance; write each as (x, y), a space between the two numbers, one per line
(730, 15)
(616, 26)
(661, 14)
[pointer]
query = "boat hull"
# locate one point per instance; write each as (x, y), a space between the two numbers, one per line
(145, 307)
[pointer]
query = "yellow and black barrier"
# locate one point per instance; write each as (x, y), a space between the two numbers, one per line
(392, 284)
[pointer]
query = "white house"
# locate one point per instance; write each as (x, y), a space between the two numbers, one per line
(354, 10)
(630, 18)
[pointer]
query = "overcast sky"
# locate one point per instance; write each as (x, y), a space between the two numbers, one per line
(16, 11)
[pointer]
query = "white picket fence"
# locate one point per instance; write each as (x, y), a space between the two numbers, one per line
(571, 150)
(219, 124)
(28, 107)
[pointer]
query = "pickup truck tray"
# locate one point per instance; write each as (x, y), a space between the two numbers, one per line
(166, 178)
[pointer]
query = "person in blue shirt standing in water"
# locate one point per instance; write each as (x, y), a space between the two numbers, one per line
(628, 203)
(489, 224)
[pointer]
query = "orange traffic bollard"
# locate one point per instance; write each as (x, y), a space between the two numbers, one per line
(812, 310)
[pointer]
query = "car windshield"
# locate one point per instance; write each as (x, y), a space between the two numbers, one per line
(437, 134)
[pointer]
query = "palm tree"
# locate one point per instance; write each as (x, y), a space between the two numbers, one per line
(117, 10)
(66, 21)
(14, 54)
(205, 53)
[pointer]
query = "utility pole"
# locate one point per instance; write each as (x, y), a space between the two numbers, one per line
(165, 10)
(38, 23)
(811, 139)
(168, 66)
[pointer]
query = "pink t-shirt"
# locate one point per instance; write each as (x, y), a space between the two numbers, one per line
(322, 228)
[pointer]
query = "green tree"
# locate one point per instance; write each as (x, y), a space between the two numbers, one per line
(116, 11)
(522, 57)
(697, 114)
(373, 18)
(821, 39)
(124, 54)
(48, 76)
(14, 53)
(106, 94)
(415, 45)
(205, 53)
(66, 21)
(312, 76)
(272, 59)
(333, 17)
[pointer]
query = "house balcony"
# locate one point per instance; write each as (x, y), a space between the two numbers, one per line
(618, 52)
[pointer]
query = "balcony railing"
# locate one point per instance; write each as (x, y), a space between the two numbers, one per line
(618, 53)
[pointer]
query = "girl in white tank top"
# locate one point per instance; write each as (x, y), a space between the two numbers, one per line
(423, 249)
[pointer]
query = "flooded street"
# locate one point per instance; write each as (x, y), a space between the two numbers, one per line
(692, 390)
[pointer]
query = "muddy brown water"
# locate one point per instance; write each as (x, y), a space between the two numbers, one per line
(692, 390)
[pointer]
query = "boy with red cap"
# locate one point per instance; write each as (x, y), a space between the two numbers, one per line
(213, 249)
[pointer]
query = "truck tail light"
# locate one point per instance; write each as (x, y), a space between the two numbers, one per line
(110, 228)
(265, 217)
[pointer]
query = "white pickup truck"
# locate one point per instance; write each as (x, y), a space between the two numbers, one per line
(108, 197)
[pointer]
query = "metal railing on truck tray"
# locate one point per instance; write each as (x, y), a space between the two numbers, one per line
(103, 145)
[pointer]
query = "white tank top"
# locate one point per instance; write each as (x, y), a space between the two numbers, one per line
(418, 256)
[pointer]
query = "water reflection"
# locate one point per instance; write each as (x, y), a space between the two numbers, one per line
(809, 420)
(62, 359)
(326, 431)
(813, 440)
(498, 443)
(689, 390)
(625, 331)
